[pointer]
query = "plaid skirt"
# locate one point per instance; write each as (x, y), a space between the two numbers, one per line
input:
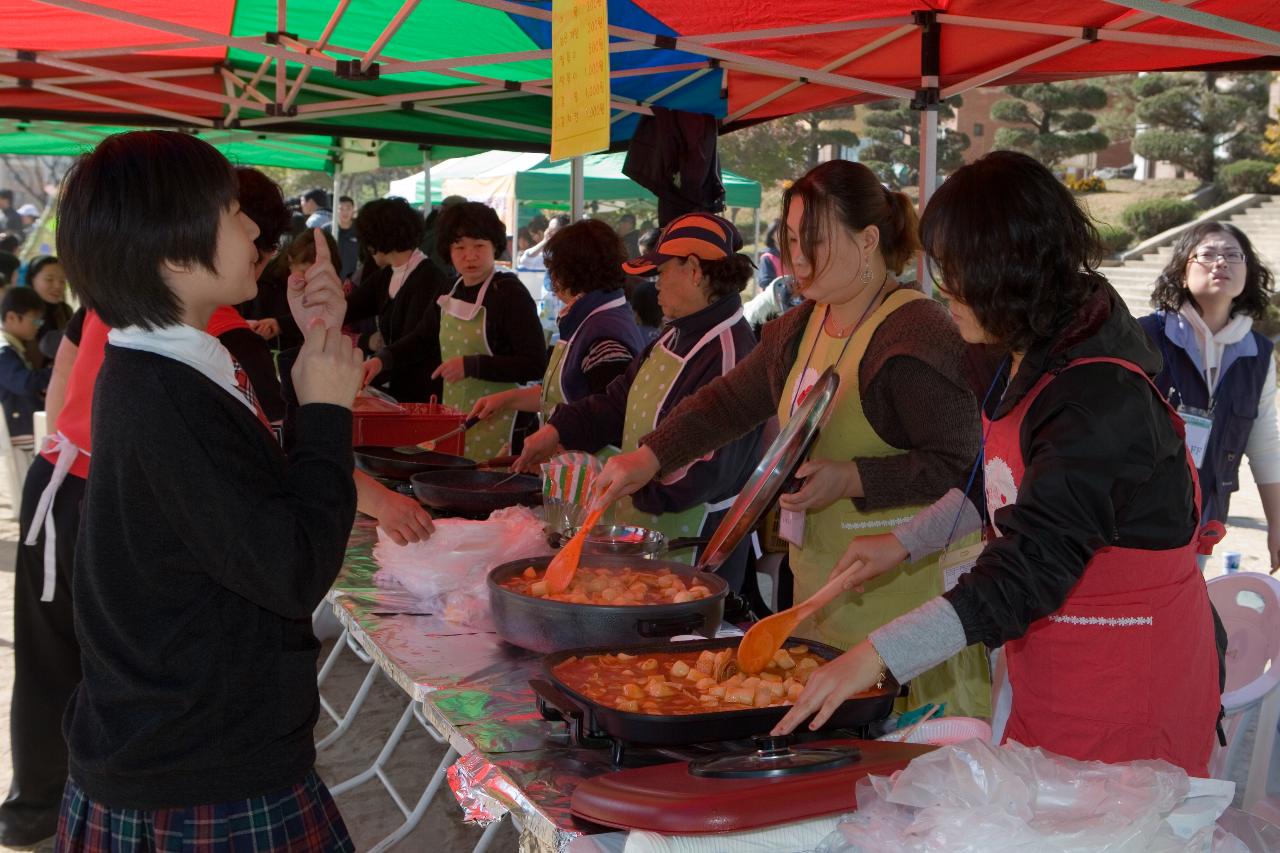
(301, 818)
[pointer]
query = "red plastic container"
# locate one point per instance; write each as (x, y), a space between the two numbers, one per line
(419, 422)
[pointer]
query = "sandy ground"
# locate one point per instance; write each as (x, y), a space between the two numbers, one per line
(369, 812)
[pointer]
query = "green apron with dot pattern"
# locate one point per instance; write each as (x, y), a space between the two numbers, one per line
(963, 681)
(552, 393)
(462, 333)
(644, 401)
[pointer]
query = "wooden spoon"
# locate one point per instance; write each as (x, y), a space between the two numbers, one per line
(563, 566)
(763, 639)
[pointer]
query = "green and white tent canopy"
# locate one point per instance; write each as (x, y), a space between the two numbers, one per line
(534, 180)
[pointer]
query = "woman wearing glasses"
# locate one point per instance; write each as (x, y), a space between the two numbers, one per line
(1218, 372)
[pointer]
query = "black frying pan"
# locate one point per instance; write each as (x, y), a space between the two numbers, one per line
(386, 462)
(475, 493)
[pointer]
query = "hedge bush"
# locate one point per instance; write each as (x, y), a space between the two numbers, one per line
(1248, 176)
(1149, 217)
(1115, 238)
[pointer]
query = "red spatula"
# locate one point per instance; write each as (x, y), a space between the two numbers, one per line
(763, 639)
(563, 566)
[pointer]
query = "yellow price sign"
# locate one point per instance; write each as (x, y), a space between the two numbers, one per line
(580, 77)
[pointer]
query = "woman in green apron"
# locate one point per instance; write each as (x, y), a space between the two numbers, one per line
(902, 427)
(490, 337)
(598, 332)
(700, 276)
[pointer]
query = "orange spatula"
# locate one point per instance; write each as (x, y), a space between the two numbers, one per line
(763, 639)
(562, 567)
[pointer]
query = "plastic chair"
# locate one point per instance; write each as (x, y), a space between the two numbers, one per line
(1249, 605)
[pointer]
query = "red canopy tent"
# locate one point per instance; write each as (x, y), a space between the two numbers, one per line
(477, 72)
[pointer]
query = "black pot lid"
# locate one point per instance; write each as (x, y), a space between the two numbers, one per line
(773, 758)
(771, 474)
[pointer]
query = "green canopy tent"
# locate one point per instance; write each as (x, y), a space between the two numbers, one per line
(539, 181)
(243, 147)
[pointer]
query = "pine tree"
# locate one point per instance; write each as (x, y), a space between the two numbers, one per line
(1054, 121)
(893, 129)
(1194, 119)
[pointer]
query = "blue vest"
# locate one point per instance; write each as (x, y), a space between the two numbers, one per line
(1234, 406)
(618, 324)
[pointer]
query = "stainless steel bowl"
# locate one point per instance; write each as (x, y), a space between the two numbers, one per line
(625, 540)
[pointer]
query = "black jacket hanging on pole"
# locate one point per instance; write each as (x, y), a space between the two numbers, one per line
(673, 155)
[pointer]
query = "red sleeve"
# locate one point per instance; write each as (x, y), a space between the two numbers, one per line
(225, 319)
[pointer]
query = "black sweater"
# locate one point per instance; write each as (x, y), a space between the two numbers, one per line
(512, 327)
(202, 554)
(410, 328)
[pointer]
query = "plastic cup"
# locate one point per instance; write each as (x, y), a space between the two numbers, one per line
(1232, 561)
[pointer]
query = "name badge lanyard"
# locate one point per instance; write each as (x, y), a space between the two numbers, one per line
(790, 522)
(1198, 423)
(956, 563)
(799, 392)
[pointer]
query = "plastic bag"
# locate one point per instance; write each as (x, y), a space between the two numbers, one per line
(976, 798)
(447, 572)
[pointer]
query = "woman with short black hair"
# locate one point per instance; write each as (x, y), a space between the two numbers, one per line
(1089, 581)
(1218, 370)
(490, 336)
(193, 717)
(401, 295)
(598, 333)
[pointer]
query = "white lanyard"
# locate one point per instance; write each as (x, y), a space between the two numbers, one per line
(453, 307)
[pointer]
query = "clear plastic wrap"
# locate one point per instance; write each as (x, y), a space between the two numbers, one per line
(976, 798)
(447, 571)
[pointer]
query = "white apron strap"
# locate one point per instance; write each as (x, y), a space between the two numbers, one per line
(67, 453)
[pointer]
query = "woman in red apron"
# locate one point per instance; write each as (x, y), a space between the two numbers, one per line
(1088, 577)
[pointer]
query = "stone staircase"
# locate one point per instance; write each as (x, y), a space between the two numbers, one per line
(1135, 278)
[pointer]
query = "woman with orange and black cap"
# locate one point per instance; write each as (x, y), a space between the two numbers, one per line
(700, 275)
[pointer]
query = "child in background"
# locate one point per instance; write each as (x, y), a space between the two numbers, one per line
(22, 386)
(46, 277)
(192, 725)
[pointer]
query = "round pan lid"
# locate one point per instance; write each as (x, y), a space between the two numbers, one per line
(771, 474)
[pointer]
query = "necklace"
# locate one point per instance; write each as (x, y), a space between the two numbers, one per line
(837, 332)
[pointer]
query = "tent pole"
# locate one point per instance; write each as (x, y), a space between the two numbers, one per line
(926, 101)
(337, 192)
(577, 199)
(757, 242)
(426, 178)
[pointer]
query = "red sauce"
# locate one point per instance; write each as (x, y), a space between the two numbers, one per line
(613, 586)
(687, 682)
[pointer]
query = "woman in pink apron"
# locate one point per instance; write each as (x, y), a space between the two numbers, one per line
(1088, 577)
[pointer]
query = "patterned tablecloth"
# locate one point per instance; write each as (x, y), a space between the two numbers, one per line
(474, 688)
